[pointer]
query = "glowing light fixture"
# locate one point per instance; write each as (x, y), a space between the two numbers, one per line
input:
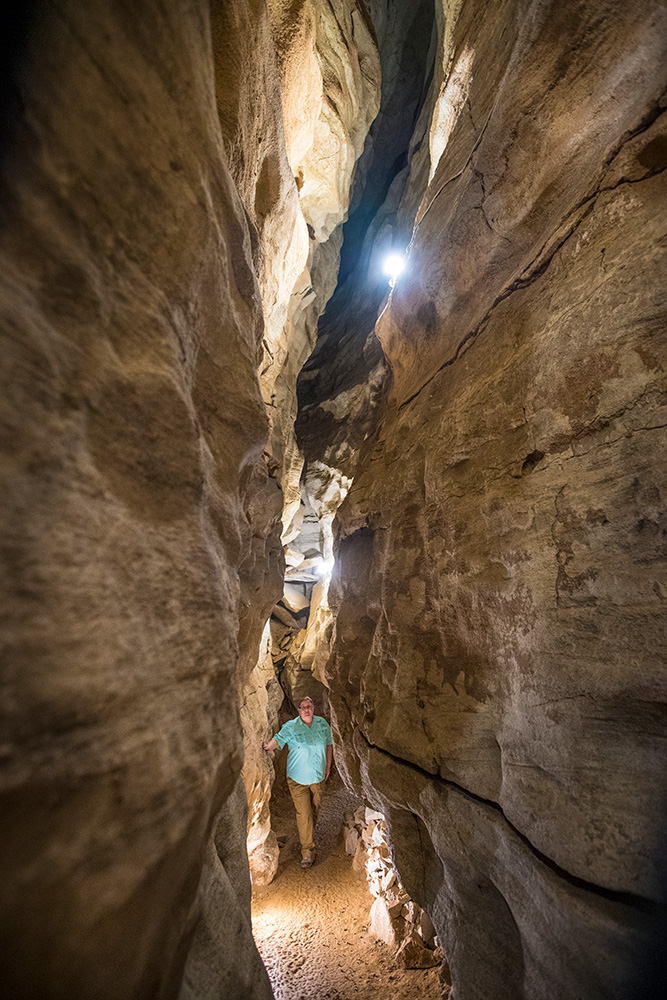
(394, 264)
(324, 567)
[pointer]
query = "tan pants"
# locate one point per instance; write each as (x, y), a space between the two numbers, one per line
(306, 800)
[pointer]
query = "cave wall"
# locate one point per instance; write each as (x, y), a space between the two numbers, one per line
(133, 435)
(175, 181)
(497, 671)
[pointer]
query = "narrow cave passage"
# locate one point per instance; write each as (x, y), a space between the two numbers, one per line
(345, 928)
(313, 927)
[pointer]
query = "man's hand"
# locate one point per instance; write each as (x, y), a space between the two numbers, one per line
(329, 758)
(271, 745)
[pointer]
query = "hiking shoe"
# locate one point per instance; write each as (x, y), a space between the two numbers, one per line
(307, 859)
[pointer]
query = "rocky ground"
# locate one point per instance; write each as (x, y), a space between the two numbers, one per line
(311, 927)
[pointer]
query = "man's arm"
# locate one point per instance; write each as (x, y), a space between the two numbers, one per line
(279, 740)
(329, 757)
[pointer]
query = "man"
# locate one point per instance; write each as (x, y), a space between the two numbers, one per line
(309, 753)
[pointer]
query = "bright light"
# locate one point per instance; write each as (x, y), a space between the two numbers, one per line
(394, 265)
(324, 567)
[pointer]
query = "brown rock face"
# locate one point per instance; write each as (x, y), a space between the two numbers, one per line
(499, 592)
(175, 184)
(133, 430)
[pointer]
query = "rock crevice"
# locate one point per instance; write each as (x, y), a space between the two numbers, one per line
(642, 904)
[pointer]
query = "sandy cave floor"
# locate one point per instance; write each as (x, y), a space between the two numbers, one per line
(311, 926)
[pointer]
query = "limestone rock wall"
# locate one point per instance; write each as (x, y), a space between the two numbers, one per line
(345, 376)
(395, 919)
(173, 208)
(497, 671)
(133, 488)
(170, 233)
(344, 379)
(294, 125)
(327, 89)
(262, 698)
(248, 101)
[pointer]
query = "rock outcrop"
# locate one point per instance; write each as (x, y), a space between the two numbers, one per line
(133, 483)
(345, 378)
(262, 698)
(499, 592)
(172, 206)
(394, 918)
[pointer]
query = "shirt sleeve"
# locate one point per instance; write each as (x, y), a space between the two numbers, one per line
(327, 732)
(282, 736)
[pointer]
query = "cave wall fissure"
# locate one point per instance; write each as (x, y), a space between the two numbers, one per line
(641, 904)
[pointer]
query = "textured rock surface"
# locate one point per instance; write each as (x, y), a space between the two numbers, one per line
(499, 594)
(394, 917)
(140, 280)
(173, 204)
(345, 376)
(262, 698)
(248, 101)
(130, 311)
(230, 969)
(329, 78)
(293, 131)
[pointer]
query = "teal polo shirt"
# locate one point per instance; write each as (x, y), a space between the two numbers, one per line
(306, 754)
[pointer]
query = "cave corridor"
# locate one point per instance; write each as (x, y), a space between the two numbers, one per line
(334, 339)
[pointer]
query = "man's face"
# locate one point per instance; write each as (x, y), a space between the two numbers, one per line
(306, 711)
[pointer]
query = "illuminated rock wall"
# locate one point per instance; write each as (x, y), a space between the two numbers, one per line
(497, 670)
(293, 130)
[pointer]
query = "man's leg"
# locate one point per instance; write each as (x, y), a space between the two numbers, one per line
(317, 792)
(304, 814)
